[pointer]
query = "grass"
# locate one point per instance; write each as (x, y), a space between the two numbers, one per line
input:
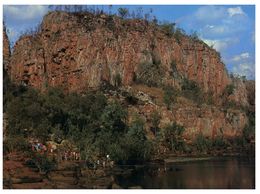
(155, 93)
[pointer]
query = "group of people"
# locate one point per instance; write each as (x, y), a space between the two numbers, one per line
(38, 147)
(105, 162)
(70, 155)
(67, 155)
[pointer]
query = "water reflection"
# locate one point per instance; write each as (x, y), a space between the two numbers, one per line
(221, 173)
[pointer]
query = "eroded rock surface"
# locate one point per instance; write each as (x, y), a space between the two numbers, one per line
(78, 52)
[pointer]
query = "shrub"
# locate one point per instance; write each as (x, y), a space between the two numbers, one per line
(57, 135)
(169, 96)
(173, 137)
(219, 142)
(229, 89)
(248, 132)
(202, 143)
(43, 163)
(155, 121)
(110, 23)
(168, 28)
(230, 104)
(112, 126)
(138, 147)
(192, 91)
(131, 99)
(149, 74)
(174, 66)
(123, 12)
(16, 143)
(178, 34)
(118, 152)
(118, 80)
(194, 35)
(156, 59)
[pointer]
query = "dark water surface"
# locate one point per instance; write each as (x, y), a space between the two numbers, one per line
(217, 173)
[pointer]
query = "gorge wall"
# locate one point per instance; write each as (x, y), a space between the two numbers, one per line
(78, 52)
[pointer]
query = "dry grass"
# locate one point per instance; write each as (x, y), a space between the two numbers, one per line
(155, 93)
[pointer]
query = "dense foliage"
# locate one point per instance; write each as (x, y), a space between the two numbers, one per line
(173, 136)
(169, 96)
(95, 125)
(191, 90)
(150, 74)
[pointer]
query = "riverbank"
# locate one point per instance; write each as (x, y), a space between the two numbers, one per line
(19, 173)
(247, 150)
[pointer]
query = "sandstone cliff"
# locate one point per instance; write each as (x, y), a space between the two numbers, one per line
(209, 120)
(81, 51)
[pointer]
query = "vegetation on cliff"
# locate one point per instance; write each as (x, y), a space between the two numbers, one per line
(96, 125)
(98, 122)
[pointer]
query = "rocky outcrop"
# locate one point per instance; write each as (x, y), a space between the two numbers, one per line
(77, 52)
(67, 175)
(6, 49)
(210, 121)
(240, 94)
(17, 175)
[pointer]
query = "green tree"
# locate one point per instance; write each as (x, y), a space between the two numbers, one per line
(219, 142)
(15, 143)
(150, 73)
(202, 143)
(194, 35)
(123, 12)
(112, 126)
(155, 121)
(169, 96)
(118, 80)
(168, 28)
(178, 35)
(229, 89)
(138, 147)
(173, 136)
(42, 131)
(192, 91)
(25, 111)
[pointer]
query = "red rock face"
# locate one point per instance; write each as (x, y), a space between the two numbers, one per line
(240, 93)
(210, 121)
(80, 52)
(6, 48)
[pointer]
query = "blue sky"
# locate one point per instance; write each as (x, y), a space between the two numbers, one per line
(230, 29)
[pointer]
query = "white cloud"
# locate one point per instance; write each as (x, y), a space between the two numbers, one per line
(218, 21)
(235, 11)
(240, 57)
(245, 69)
(24, 12)
(221, 44)
(243, 64)
(20, 18)
(210, 13)
(225, 28)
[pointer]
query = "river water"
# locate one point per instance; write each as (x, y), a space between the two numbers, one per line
(215, 173)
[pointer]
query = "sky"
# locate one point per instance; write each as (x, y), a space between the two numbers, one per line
(230, 29)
